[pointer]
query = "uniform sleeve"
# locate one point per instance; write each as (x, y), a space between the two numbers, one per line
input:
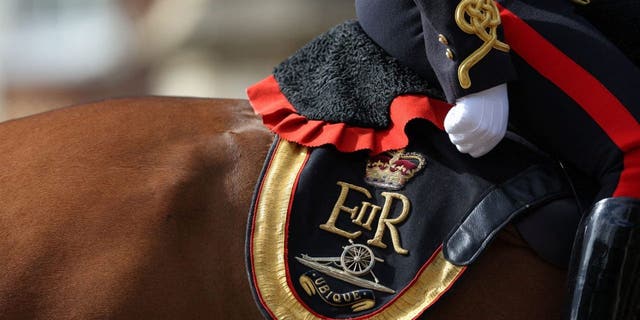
(466, 55)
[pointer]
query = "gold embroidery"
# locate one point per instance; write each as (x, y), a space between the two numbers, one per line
(393, 169)
(363, 211)
(482, 18)
(357, 300)
(268, 250)
(363, 305)
(356, 260)
(330, 225)
(383, 222)
(389, 223)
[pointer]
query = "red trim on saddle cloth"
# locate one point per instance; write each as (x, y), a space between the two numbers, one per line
(596, 100)
(282, 118)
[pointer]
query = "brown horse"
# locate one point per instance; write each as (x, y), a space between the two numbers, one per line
(136, 209)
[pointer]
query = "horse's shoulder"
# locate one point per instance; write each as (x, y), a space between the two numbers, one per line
(101, 194)
(147, 149)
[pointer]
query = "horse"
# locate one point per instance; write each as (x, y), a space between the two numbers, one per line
(136, 208)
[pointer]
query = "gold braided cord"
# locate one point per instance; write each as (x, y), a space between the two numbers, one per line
(482, 18)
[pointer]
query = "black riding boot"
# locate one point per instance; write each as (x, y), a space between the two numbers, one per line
(604, 273)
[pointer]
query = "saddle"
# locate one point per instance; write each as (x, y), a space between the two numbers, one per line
(364, 208)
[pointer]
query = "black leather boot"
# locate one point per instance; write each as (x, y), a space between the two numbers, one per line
(604, 274)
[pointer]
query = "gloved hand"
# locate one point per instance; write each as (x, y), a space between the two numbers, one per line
(478, 121)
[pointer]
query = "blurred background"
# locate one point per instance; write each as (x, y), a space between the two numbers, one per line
(55, 53)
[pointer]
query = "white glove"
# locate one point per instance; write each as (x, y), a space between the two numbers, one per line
(478, 121)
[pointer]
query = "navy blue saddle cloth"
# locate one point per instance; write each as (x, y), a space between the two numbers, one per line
(349, 235)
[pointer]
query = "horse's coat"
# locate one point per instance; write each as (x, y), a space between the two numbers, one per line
(136, 208)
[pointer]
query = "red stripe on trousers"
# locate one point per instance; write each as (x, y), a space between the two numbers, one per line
(596, 100)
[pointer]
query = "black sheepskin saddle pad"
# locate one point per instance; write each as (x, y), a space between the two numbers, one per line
(343, 76)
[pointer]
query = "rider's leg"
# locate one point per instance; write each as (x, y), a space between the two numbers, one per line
(576, 97)
(583, 106)
(606, 264)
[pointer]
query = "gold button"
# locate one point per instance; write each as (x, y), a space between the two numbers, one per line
(449, 54)
(443, 39)
(582, 2)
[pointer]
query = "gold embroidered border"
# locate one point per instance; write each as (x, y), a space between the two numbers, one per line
(268, 249)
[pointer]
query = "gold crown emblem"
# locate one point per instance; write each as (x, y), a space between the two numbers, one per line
(393, 169)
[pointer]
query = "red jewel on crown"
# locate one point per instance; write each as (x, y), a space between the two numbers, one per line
(393, 169)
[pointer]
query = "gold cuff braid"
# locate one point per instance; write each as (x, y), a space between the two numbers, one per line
(482, 18)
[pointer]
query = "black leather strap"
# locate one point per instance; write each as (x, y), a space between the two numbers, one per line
(533, 187)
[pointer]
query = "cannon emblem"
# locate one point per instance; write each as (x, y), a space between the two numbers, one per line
(357, 260)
